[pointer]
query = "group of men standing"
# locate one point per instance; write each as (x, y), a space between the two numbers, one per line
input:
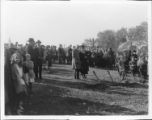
(65, 55)
(45, 55)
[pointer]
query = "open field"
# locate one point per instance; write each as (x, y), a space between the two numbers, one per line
(60, 94)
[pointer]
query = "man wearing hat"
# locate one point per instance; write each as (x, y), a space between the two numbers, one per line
(30, 48)
(38, 60)
(61, 54)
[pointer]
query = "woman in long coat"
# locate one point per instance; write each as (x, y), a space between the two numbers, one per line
(76, 63)
(19, 83)
(84, 62)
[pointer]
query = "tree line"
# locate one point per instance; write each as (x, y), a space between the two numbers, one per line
(112, 39)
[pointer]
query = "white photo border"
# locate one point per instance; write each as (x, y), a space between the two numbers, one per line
(63, 117)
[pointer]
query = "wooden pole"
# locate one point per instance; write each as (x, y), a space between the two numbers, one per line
(110, 75)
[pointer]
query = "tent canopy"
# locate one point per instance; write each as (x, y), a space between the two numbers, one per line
(129, 45)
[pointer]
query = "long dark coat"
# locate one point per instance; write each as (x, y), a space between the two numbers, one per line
(10, 94)
(84, 63)
(49, 58)
(38, 55)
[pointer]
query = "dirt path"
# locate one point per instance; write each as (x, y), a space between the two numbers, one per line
(60, 94)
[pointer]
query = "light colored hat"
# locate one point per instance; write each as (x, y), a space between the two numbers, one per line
(15, 57)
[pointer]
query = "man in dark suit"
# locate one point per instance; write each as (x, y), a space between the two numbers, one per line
(69, 55)
(61, 55)
(30, 48)
(38, 51)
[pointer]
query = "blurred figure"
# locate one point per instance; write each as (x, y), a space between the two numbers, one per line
(29, 75)
(100, 58)
(142, 64)
(133, 66)
(49, 57)
(38, 51)
(19, 83)
(111, 59)
(121, 66)
(88, 53)
(76, 63)
(84, 62)
(61, 55)
(45, 55)
(54, 54)
(106, 59)
(30, 49)
(93, 56)
(69, 55)
(10, 92)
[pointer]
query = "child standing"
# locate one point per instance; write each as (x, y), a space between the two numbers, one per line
(28, 72)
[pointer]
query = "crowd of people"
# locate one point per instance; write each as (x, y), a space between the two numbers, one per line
(84, 57)
(131, 62)
(24, 65)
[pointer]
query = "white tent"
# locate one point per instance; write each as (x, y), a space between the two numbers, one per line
(130, 44)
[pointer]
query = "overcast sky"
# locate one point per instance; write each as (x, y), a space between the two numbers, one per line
(68, 22)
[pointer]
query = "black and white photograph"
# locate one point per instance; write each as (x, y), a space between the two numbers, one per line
(76, 59)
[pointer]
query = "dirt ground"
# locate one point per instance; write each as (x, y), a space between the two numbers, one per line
(60, 94)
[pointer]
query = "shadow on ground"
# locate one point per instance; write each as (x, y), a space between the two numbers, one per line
(103, 86)
(52, 98)
(49, 101)
(65, 71)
